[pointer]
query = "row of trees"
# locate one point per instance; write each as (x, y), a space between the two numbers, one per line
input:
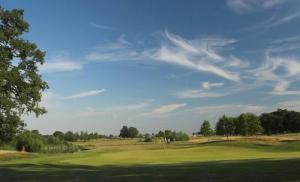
(280, 121)
(244, 124)
(75, 136)
(169, 135)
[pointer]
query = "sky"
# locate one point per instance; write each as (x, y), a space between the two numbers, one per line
(160, 64)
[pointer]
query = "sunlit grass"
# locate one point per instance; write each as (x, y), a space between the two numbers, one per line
(131, 153)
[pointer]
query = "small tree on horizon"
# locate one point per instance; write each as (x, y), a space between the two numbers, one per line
(133, 132)
(205, 129)
(124, 132)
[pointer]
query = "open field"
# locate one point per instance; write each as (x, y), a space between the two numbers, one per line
(262, 158)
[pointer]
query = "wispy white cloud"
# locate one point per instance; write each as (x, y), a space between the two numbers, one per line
(100, 26)
(208, 85)
(168, 108)
(281, 86)
(285, 19)
(206, 55)
(60, 64)
(286, 92)
(281, 71)
(287, 40)
(245, 6)
(199, 55)
(188, 94)
(289, 10)
(235, 62)
(85, 94)
(111, 110)
(230, 109)
(203, 92)
(121, 50)
(284, 45)
(181, 59)
(134, 106)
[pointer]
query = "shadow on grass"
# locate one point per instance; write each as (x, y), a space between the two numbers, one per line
(245, 170)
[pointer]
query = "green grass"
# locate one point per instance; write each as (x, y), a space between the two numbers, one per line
(246, 159)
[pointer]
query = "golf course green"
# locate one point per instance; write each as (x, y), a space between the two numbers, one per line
(200, 159)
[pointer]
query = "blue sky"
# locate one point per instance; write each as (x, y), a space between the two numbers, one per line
(162, 64)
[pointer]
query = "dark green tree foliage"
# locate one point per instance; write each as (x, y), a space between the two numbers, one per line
(229, 126)
(241, 125)
(169, 135)
(130, 132)
(75, 136)
(180, 136)
(280, 121)
(70, 136)
(21, 84)
(124, 132)
(29, 142)
(247, 124)
(32, 141)
(254, 125)
(160, 134)
(205, 129)
(59, 135)
(173, 135)
(225, 126)
(10, 124)
(244, 124)
(148, 138)
(220, 126)
(133, 132)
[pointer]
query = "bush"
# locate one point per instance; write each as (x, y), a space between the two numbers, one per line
(53, 140)
(30, 142)
(60, 148)
(180, 136)
(148, 138)
(33, 142)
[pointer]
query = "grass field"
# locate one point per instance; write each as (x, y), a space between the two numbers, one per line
(261, 158)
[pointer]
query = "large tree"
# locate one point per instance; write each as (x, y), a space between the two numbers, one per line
(21, 84)
(124, 132)
(241, 124)
(225, 126)
(133, 132)
(254, 125)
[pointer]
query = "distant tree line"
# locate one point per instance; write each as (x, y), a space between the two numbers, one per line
(79, 136)
(246, 124)
(277, 122)
(280, 121)
(169, 135)
(58, 142)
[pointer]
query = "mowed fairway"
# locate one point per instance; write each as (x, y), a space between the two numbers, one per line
(242, 159)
